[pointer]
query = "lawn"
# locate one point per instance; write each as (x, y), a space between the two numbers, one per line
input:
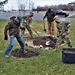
(73, 16)
(47, 63)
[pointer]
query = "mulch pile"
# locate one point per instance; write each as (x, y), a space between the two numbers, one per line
(19, 53)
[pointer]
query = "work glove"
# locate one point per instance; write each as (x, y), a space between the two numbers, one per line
(45, 30)
(22, 28)
(5, 37)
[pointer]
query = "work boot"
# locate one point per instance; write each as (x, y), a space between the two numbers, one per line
(55, 49)
(6, 56)
(25, 52)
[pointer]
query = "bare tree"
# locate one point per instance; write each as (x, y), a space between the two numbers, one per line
(30, 5)
(2, 4)
(22, 5)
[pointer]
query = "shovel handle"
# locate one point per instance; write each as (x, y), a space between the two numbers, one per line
(44, 25)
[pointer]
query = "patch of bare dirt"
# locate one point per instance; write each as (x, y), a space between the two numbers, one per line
(42, 41)
(19, 53)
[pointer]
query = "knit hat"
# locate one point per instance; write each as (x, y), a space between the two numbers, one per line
(19, 18)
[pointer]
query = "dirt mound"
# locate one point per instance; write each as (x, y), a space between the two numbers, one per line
(19, 53)
(46, 41)
(42, 41)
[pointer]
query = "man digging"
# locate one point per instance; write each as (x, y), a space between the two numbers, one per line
(63, 33)
(14, 32)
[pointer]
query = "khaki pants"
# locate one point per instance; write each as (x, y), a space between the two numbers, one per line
(51, 28)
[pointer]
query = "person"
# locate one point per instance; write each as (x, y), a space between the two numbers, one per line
(13, 27)
(63, 33)
(50, 18)
(26, 23)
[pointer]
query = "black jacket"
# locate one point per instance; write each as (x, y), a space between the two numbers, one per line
(50, 16)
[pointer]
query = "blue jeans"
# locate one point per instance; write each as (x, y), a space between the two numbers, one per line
(20, 41)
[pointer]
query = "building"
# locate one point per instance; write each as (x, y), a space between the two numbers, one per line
(71, 6)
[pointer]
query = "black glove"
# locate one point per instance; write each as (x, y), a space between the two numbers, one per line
(5, 37)
(22, 28)
(57, 35)
(45, 30)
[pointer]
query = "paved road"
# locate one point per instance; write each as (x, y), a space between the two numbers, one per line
(37, 16)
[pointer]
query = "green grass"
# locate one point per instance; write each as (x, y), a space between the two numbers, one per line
(73, 16)
(47, 63)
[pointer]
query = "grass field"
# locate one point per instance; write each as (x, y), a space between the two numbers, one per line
(73, 16)
(47, 63)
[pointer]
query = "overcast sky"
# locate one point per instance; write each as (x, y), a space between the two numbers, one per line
(51, 2)
(13, 4)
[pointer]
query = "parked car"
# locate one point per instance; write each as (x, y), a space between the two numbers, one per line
(61, 12)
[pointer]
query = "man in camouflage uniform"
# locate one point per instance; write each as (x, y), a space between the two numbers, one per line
(14, 31)
(63, 31)
(27, 19)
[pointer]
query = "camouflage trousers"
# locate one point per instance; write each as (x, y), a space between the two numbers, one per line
(28, 28)
(65, 39)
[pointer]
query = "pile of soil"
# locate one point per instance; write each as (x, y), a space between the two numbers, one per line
(42, 41)
(19, 53)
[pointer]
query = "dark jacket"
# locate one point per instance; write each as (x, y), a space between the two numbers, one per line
(13, 27)
(50, 16)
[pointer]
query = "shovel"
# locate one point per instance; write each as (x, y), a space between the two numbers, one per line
(35, 32)
(44, 26)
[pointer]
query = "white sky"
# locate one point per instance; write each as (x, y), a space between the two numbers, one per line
(51, 2)
(14, 3)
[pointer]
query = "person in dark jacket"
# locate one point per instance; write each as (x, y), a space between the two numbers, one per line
(14, 31)
(50, 18)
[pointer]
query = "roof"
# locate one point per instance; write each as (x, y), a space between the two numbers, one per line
(72, 2)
